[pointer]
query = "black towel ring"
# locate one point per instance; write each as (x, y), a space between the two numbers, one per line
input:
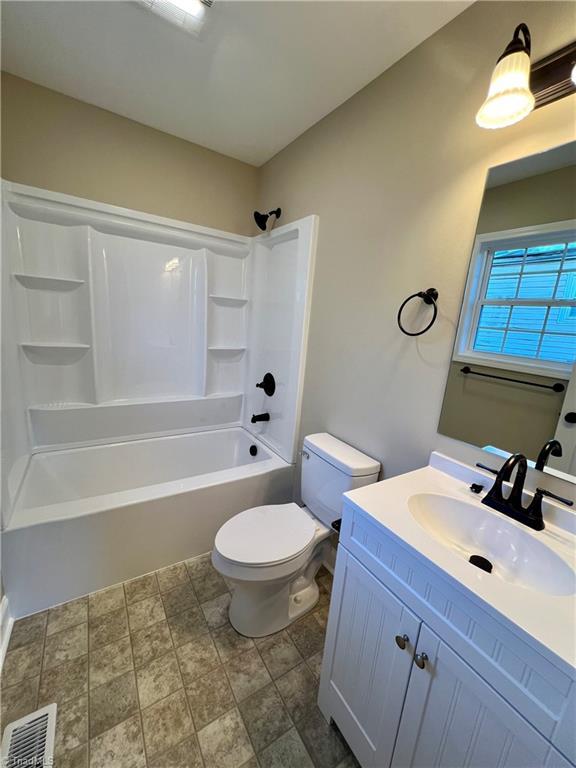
(429, 296)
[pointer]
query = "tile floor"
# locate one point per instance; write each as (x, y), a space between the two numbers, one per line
(150, 674)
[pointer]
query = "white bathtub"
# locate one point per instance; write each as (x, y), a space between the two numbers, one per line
(91, 517)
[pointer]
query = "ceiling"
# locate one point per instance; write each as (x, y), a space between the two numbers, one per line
(258, 75)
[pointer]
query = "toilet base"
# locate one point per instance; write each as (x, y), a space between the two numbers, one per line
(264, 609)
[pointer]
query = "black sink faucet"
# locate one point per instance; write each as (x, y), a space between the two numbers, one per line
(551, 448)
(259, 417)
(512, 504)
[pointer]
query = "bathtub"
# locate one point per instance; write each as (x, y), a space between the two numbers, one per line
(88, 518)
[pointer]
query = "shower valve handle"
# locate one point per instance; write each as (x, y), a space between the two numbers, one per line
(268, 384)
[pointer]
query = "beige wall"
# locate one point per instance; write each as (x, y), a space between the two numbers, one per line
(52, 141)
(539, 199)
(396, 175)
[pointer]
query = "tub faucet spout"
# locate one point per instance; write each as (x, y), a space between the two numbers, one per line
(260, 417)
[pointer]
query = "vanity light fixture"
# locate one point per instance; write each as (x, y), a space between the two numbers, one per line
(509, 96)
(189, 15)
(516, 88)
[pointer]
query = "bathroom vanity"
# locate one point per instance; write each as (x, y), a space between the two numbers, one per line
(430, 661)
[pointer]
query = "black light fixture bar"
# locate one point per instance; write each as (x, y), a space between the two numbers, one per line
(551, 77)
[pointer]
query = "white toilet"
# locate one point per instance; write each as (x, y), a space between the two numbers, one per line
(271, 554)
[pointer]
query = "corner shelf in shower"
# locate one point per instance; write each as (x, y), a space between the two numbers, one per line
(235, 300)
(47, 345)
(48, 282)
(60, 406)
(54, 352)
(223, 349)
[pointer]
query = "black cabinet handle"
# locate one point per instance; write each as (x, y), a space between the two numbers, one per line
(570, 417)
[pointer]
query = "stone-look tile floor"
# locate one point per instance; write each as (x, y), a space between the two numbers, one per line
(150, 674)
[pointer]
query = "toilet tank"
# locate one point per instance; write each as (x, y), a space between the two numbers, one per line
(329, 469)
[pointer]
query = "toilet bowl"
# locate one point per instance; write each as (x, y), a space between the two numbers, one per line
(271, 554)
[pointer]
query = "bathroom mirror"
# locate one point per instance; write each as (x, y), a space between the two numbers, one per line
(511, 385)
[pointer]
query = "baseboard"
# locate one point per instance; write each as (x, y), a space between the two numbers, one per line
(6, 622)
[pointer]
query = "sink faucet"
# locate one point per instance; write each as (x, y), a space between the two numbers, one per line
(551, 448)
(512, 504)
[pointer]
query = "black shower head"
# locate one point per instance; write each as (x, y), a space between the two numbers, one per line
(261, 219)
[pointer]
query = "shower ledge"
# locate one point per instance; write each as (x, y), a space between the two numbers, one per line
(228, 299)
(53, 345)
(227, 348)
(48, 282)
(42, 352)
(40, 407)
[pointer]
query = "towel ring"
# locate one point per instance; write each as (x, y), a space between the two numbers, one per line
(429, 296)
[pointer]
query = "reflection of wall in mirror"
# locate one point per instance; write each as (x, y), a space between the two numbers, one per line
(539, 199)
(492, 412)
(566, 431)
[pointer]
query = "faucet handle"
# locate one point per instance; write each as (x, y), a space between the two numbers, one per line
(486, 468)
(543, 492)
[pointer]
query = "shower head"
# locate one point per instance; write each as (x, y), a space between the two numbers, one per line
(261, 219)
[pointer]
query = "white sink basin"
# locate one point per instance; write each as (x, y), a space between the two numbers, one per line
(517, 555)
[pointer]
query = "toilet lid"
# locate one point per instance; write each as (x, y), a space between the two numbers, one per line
(266, 535)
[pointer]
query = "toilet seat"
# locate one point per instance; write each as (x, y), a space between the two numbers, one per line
(266, 535)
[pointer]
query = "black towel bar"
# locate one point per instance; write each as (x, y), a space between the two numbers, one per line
(556, 387)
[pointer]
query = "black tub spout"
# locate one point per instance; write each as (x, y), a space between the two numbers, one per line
(260, 417)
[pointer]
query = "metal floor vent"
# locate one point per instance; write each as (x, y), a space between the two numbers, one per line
(29, 742)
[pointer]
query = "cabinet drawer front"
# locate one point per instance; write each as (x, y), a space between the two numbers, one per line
(365, 672)
(542, 692)
(453, 718)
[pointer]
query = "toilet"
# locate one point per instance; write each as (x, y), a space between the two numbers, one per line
(271, 554)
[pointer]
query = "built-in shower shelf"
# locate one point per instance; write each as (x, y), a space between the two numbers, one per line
(61, 353)
(239, 300)
(223, 349)
(48, 282)
(60, 406)
(178, 400)
(49, 345)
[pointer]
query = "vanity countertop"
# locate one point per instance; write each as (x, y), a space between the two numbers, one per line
(548, 616)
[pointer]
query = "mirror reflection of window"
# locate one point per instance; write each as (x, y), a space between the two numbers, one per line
(522, 307)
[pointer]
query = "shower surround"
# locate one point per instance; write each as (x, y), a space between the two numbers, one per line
(124, 328)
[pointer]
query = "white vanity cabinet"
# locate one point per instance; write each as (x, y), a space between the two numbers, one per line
(443, 713)
(365, 672)
(451, 717)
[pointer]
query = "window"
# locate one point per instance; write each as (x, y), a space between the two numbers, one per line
(520, 305)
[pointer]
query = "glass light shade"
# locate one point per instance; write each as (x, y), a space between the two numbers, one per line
(186, 14)
(509, 96)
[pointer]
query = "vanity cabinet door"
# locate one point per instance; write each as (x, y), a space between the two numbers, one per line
(453, 718)
(365, 671)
